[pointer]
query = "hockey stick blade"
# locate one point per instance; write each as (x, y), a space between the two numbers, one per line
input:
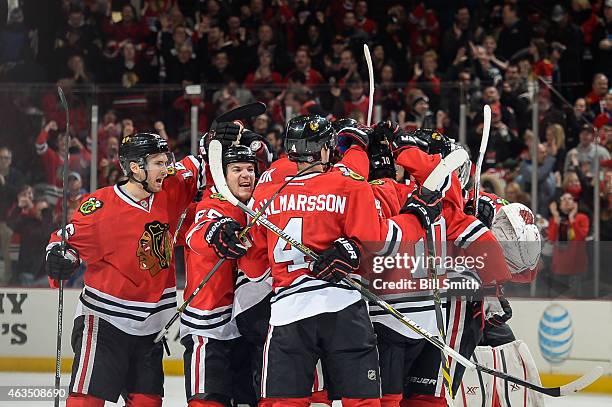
(368, 58)
(241, 113)
(484, 141)
(448, 164)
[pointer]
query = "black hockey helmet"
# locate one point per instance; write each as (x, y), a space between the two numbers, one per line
(306, 136)
(437, 143)
(382, 164)
(343, 123)
(138, 147)
(238, 154)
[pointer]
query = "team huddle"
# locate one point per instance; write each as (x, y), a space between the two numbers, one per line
(281, 318)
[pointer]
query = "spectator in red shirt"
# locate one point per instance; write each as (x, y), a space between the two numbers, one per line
(566, 228)
(424, 29)
(356, 100)
(302, 63)
(363, 22)
(605, 117)
(129, 28)
(263, 82)
(426, 78)
(599, 90)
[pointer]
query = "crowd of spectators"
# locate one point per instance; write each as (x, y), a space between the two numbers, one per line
(136, 59)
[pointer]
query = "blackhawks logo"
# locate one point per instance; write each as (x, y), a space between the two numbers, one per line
(90, 205)
(154, 248)
(217, 196)
(314, 126)
(377, 182)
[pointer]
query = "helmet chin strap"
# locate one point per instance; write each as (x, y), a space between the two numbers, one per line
(143, 183)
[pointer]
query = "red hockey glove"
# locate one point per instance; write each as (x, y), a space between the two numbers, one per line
(222, 236)
(337, 261)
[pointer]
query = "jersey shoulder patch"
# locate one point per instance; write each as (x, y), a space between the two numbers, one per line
(90, 205)
(218, 196)
(377, 182)
(347, 172)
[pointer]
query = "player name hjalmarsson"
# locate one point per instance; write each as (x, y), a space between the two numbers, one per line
(306, 203)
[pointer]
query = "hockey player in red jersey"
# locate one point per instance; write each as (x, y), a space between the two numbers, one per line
(207, 331)
(124, 235)
(313, 314)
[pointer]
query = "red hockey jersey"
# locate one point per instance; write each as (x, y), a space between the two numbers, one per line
(210, 312)
(315, 209)
(127, 245)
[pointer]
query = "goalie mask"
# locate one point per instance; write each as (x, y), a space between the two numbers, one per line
(463, 172)
(514, 228)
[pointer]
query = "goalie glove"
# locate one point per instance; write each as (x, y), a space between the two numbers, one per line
(337, 261)
(222, 236)
(227, 133)
(426, 205)
(486, 210)
(60, 265)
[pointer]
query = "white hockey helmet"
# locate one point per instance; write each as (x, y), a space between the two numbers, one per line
(514, 228)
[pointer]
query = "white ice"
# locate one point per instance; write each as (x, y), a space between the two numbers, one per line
(175, 395)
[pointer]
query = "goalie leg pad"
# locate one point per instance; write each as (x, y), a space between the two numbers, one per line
(83, 400)
(477, 389)
(515, 359)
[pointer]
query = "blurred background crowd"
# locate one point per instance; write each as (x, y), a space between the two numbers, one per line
(126, 66)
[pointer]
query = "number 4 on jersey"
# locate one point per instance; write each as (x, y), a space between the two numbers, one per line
(284, 253)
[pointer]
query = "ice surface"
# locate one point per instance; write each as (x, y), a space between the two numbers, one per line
(175, 396)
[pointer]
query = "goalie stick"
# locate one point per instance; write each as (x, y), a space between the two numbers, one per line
(368, 58)
(215, 154)
(60, 293)
(486, 130)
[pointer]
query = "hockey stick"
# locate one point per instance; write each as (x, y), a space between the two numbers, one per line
(368, 58)
(239, 113)
(208, 276)
(486, 129)
(455, 159)
(60, 294)
(215, 151)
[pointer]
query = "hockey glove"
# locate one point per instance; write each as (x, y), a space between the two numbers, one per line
(497, 319)
(403, 140)
(431, 142)
(486, 211)
(426, 205)
(227, 133)
(337, 261)
(358, 135)
(222, 236)
(60, 265)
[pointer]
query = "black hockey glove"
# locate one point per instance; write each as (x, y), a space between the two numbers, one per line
(60, 266)
(486, 210)
(430, 141)
(404, 140)
(353, 135)
(222, 236)
(226, 132)
(336, 262)
(497, 319)
(386, 131)
(426, 205)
